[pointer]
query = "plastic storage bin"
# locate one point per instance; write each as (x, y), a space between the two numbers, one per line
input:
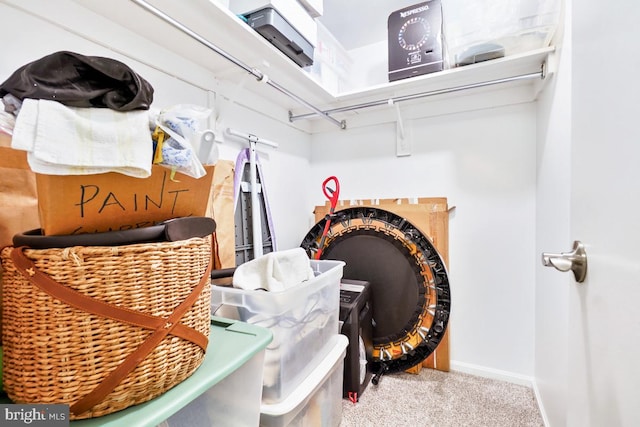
(482, 28)
(332, 64)
(224, 391)
(234, 401)
(317, 400)
(302, 319)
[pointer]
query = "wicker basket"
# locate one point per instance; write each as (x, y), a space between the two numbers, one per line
(103, 328)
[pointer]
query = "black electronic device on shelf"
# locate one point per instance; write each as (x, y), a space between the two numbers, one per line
(415, 40)
(273, 27)
(356, 325)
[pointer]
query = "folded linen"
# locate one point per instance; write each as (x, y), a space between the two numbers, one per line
(275, 271)
(65, 140)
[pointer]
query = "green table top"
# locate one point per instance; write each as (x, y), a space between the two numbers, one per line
(231, 344)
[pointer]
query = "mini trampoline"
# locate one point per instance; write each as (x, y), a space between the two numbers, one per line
(410, 287)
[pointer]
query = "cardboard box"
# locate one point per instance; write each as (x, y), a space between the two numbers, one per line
(73, 204)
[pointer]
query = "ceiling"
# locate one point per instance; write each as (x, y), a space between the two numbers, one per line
(356, 23)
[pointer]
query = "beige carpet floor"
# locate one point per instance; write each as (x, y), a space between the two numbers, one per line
(442, 399)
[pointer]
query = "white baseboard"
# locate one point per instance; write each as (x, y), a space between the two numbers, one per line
(543, 413)
(496, 374)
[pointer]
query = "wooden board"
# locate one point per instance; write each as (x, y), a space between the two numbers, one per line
(431, 217)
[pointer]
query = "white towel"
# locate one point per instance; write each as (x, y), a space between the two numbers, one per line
(65, 140)
(275, 271)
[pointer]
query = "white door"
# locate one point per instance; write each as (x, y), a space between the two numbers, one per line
(604, 311)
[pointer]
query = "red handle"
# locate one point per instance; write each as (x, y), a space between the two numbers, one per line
(331, 193)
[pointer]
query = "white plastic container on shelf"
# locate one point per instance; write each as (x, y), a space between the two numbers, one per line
(303, 319)
(317, 400)
(315, 8)
(484, 28)
(332, 63)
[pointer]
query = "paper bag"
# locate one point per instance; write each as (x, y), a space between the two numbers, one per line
(18, 197)
(221, 209)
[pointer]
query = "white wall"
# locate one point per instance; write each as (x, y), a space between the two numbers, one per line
(484, 162)
(176, 81)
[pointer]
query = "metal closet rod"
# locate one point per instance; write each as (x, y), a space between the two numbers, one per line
(390, 101)
(253, 71)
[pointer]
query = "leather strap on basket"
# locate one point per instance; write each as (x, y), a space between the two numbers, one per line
(161, 326)
(100, 308)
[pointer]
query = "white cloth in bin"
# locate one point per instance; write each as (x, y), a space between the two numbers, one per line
(63, 140)
(275, 271)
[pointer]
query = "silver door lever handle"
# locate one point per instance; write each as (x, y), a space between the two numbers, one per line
(576, 261)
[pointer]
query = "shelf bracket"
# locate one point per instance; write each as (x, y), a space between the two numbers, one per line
(403, 134)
